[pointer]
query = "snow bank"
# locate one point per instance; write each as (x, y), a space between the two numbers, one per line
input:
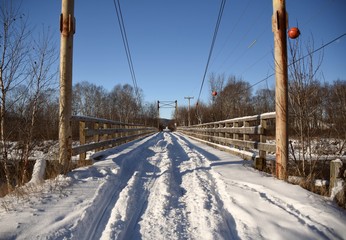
(338, 187)
(38, 172)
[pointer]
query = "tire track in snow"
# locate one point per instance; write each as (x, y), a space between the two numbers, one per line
(166, 190)
(96, 216)
(166, 215)
(206, 213)
(178, 200)
(144, 203)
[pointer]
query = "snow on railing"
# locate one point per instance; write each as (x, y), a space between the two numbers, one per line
(99, 134)
(241, 135)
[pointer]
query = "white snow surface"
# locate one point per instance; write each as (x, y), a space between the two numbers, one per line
(168, 186)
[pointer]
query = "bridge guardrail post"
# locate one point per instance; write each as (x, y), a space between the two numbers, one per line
(104, 136)
(246, 137)
(260, 162)
(235, 134)
(335, 168)
(113, 135)
(96, 126)
(82, 138)
(221, 133)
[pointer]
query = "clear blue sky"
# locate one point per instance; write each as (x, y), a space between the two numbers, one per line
(170, 41)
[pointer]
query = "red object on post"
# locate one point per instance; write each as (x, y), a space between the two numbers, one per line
(214, 93)
(293, 32)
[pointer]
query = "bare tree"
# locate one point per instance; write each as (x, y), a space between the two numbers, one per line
(150, 114)
(202, 113)
(13, 36)
(41, 78)
(335, 111)
(264, 101)
(216, 85)
(88, 99)
(125, 103)
(235, 98)
(305, 100)
(183, 115)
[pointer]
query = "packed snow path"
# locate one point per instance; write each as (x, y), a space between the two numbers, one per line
(167, 186)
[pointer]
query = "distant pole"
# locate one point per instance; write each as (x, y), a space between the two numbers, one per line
(158, 115)
(67, 29)
(176, 110)
(188, 110)
(279, 26)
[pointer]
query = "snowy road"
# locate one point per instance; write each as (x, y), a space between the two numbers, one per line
(169, 187)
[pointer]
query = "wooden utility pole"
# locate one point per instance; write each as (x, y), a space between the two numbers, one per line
(158, 115)
(176, 109)
(279, 26)
(188, 110)
(67, 29)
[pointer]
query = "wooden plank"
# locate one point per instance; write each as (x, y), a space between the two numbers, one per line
(239, 143)
(256, 130)
(97, 145)
(91, 132)
(101, 120)
(270, 115)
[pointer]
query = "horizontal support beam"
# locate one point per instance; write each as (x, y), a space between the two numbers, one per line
(240, 130)
(235, 142)
(264, 116)
(91, 146)
(92, 132)
(101, 120)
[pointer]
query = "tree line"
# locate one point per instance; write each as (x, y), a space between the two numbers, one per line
(315, 107)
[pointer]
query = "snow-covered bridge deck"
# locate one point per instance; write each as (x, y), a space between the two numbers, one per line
(167, 186)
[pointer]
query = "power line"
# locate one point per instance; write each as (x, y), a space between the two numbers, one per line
(222, 6)
(299, 59)
(242, 39)
(318, 49)
(126, 45)
(235, 26)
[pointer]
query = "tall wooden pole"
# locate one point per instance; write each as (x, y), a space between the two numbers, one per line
(188, 110)
(158, 115)
(67, 29)
(279, 26)
(176, 110)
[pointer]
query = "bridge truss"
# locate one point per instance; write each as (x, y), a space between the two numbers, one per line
(166, 104)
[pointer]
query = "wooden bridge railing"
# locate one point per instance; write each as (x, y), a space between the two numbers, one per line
(99, 134)
(241, 135)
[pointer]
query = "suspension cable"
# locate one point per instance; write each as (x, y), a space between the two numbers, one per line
(126, 46)
(222, 6)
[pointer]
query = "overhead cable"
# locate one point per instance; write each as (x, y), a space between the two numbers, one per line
(318, 49)
(222, 6)
(229, 36)
(126, 46)
(299, 59)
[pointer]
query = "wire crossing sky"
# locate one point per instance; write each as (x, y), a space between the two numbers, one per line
(222, 7)
(170, 42)
(126, 45)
